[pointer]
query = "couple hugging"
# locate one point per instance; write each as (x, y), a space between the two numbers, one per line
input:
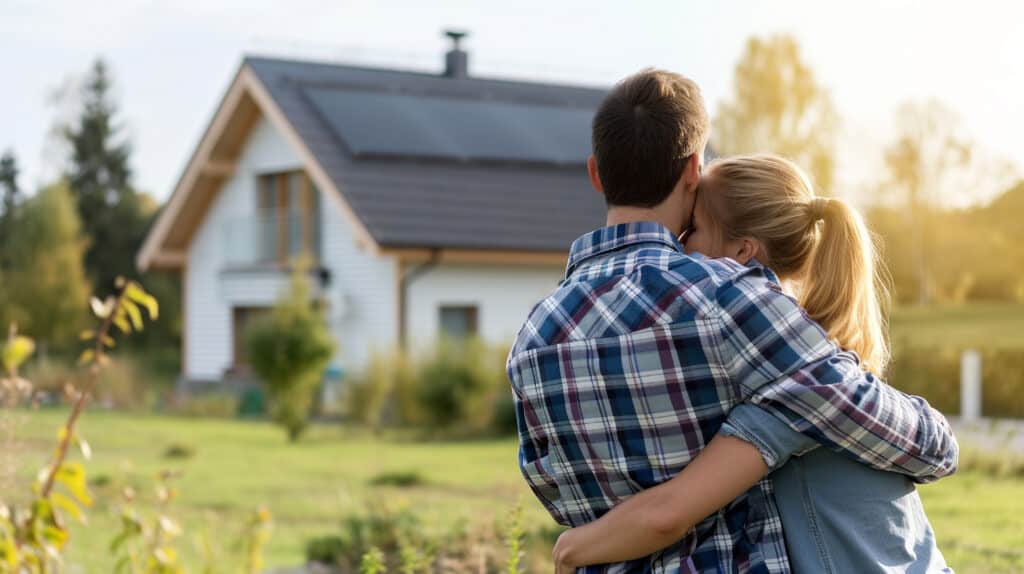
(698, 394)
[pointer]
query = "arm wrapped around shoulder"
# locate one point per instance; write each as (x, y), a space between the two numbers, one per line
(784, 362)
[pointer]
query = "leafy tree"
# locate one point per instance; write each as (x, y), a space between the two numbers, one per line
(99, 174)
(921, 162)
(8, 203)
(289, 348)
(779, 107)
(46, 284)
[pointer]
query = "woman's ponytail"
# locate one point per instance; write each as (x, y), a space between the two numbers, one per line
(843, 287)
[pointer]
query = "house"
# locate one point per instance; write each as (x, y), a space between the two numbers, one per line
(430, 204)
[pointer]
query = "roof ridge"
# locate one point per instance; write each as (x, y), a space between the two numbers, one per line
(250, 58)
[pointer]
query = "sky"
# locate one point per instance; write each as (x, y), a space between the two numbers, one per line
(172, 60)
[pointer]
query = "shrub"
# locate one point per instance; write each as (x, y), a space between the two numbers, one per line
(1003, 463)
(399, 541)
(289, 350)
(179, 450)
(373, 397)
(207, 405)
(448, 387)
(935, 375)
(455, 386)
(330, 549)
(402, 479)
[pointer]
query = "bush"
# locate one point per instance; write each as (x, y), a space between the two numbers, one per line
(1002, 463)
(935, 375)
(402, 479)
(330, 549)
(289, 349)
(449, 388)
(207, 405)
(179, 450)
(372, 397)
(400, 541)
(456, 386)
(122, 383)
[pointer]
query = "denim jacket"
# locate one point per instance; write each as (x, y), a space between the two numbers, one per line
(838, 516)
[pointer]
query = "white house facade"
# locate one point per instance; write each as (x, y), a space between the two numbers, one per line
(406, 243)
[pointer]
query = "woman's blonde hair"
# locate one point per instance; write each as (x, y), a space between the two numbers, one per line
(819, 244)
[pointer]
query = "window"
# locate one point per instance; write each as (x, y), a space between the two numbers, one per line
(459, 322)
(289, 217)
(241, 317)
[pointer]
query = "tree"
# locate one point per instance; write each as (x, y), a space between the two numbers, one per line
(99, 174)
(289, 349)
(921, 162)
(9, 201)
(779, 107)
(46, 285)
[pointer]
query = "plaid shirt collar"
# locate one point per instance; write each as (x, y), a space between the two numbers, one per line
(615, 237)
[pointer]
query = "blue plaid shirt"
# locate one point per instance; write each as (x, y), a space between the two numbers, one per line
(628, 369)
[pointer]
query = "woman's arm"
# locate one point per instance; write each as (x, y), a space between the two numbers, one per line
(660, 516)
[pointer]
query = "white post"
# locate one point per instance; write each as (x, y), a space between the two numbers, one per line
(970, 386)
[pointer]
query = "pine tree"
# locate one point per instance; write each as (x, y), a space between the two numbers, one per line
(99, 176)
(9, 202)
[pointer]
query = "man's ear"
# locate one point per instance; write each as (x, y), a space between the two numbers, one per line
(691, 171)
(595, 180)
(746, 249)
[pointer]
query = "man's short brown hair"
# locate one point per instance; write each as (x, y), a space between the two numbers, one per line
(643, 133)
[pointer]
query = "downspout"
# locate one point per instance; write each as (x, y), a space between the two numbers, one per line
(408, 277)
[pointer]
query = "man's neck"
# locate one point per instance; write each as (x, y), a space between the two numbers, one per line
(626, 214)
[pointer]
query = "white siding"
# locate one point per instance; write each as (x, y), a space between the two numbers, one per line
(361, 291)
(362, 294)
(503, 295)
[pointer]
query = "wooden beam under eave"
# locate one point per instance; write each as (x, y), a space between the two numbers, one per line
(168, 259)
(218, 168)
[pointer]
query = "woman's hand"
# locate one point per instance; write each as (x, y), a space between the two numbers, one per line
(563, 552)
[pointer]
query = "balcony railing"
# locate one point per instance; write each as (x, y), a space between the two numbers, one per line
(268, 239)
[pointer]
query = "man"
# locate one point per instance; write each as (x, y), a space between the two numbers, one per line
(628, 369)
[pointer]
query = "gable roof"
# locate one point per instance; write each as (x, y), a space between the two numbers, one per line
(437, 162)
(414, 160)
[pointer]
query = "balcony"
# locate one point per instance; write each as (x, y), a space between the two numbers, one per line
(271, 239)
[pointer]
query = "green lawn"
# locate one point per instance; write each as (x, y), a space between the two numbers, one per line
(981, 325)
(309, 486)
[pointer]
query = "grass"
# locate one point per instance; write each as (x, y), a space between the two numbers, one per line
(310, 486)
(979, 325)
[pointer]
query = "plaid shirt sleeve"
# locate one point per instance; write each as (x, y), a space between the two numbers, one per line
(785, 363)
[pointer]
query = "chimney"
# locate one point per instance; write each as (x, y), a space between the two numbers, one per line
(456, 61)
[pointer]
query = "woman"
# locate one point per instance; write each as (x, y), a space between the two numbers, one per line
(838, 515)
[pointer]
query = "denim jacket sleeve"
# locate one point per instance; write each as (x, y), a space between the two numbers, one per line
(773, 438)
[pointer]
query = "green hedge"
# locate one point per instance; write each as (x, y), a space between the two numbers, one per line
(935, 375)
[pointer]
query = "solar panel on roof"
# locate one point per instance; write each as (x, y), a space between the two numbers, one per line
(374, 123)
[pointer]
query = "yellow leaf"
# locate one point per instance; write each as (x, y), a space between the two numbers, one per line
(122, 324)
(72, 476)
(86, 356)
(9, 553)
(55, 536)
(108, 340)
(69, 506)
(87, 334)
(16, 351)
(133, 313)
(135, 292)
